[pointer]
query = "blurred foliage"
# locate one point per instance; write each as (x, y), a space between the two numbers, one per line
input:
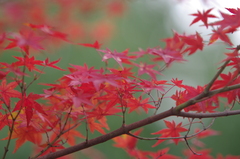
(133, 25)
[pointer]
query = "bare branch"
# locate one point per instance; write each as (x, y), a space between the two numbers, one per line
(190, 148)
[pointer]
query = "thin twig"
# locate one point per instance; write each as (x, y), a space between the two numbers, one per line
(169, 138)
(191, 148)
(186, 136)
(86, 123)
(123, 111)
(12, 127)
(57, 137)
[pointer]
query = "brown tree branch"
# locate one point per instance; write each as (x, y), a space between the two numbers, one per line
(138, 124)
(108, 136)
(204, 95)
(127, 128)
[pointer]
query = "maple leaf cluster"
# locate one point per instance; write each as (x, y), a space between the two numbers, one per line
(77, 16)
(87, 96)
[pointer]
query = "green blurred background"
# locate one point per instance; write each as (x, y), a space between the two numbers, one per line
(143, 25)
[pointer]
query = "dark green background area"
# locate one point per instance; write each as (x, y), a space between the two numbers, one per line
(143, 26)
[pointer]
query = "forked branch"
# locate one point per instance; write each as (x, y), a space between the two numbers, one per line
(127, 128)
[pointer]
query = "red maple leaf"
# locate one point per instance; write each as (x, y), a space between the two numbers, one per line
(118, 57)
(191, 92)
(195, 43)
(52, 64)
(234, 59)
(234, 62)
(175, 43)
(173, 130)
(91, 75)
(103, 109)
(29, 104)
(24, 134)
(96, 45)
(29, 62)
(177, 82)
(7, 91)
(80, 97)
(99, 79)
(4, 119)
(220, 34)
(84, 70)
(48, 30)
(97, 124)
(12, 68)
(127, 142)
(162, 154)
(203, 17)
(55, 145)
(205, 154)
(69, 136)
(139, 154)
(135, 103)
(125, 72)
(148, 86)
(206, 133)
(229, 20)
(228, 79)
(24, 40)
(3, 74)
(120, 95)
(148, 69)
(167, 55)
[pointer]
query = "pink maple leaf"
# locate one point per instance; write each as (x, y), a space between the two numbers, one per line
(24, 40)
(118, 57)
(95, 45)
(148, 69)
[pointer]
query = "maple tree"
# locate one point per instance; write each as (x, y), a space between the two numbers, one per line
(84, 97)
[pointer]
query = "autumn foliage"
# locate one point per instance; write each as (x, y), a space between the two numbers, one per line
(85, 96)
